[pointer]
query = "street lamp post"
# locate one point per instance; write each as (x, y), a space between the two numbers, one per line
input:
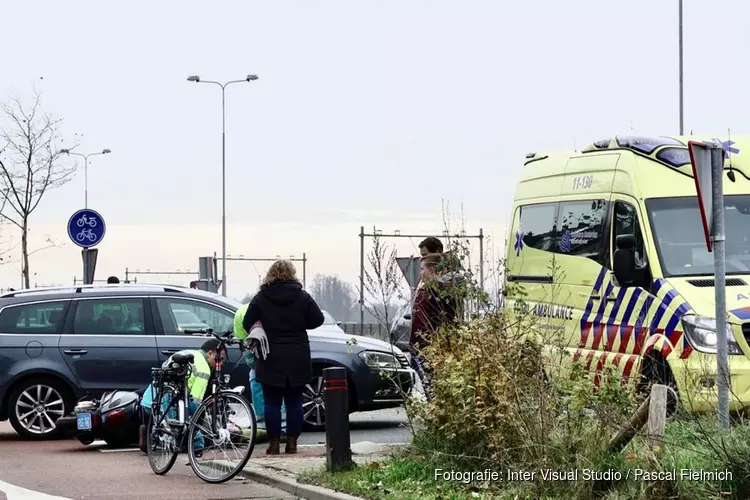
(197, 79)
(85, 171)
(682, 100)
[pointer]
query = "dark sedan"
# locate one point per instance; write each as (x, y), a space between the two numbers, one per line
(58, 344)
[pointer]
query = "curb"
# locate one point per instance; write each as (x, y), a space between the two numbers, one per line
(292, 486)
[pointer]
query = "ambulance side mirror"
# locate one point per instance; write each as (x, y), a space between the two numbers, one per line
(624, 266)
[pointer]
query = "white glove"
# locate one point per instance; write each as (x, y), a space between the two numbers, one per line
(259, 334)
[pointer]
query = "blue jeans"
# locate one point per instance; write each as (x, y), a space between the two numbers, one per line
(259, 403)
(198, 443)
(274, 397)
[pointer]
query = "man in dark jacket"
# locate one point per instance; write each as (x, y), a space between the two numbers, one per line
(430, 245)
(286, 312)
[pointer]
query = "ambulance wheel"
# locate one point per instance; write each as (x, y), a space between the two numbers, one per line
(655, 370)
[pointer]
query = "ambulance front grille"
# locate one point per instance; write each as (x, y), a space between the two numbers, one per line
(710, 283)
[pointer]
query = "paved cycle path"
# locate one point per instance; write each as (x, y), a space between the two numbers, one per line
(65, 469)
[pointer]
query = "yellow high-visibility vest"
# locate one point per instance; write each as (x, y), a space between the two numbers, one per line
(200, 374)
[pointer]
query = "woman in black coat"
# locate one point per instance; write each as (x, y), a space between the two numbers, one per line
(286, 312)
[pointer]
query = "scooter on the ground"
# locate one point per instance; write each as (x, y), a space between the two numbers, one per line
(114, 418)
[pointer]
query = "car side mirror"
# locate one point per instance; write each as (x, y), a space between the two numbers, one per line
(339, 323)
(624, 260)
(407, 316)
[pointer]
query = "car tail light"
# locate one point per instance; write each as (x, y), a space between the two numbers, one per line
(116, 416)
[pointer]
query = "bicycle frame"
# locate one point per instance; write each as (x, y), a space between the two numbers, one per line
(218, 386)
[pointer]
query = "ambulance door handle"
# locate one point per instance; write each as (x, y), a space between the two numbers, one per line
(612, 298)
(595, 297)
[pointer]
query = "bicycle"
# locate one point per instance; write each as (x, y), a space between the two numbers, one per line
(86, 233)
(209, 423)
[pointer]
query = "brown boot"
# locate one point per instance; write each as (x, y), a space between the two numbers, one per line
(291, 445)
(273, 446)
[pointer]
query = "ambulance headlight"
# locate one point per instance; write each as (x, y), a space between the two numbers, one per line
(701, 332)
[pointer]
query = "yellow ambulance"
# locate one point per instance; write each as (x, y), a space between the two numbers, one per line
(652, 316)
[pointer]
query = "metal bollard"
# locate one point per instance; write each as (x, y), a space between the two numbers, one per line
(338, 444)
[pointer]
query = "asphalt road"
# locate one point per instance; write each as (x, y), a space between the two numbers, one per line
(68, 470)
(382, 427)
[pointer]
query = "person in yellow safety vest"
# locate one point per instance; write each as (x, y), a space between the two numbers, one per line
(255, 388)
(204, 363)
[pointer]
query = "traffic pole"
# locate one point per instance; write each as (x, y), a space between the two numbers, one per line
(338, 441)
(719, 239)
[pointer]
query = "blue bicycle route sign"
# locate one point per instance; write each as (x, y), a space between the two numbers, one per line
(86, 228)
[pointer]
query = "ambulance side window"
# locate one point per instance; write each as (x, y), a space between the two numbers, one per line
(625, 221)
(582, 228)
(538, 226)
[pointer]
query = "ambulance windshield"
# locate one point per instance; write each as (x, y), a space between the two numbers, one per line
(680, 241)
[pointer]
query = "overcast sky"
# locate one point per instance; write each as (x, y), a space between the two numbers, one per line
(365, 113)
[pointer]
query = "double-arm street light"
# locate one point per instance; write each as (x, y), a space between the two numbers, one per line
(85, 170)
(197, 79)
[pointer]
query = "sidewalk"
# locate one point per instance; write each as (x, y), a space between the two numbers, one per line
(280, 471)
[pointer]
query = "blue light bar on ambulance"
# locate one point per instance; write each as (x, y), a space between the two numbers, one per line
(676, 157)
(647, 144)
(644, 145)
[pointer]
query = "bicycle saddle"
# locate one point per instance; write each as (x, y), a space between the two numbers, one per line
(182, 358)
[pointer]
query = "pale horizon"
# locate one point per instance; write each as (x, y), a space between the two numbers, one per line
(364, 114)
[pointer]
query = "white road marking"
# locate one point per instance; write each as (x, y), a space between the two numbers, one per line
(18, 493)
(118, 450)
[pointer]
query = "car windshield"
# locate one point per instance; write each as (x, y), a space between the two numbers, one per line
(680, 241)
(328, 319)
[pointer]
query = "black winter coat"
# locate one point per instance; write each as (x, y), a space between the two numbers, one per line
(286, 312)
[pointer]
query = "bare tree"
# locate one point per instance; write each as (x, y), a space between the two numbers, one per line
(383, 281)
(30, 164)
(335, 296)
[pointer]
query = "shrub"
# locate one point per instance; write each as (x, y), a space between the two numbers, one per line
(493, 405)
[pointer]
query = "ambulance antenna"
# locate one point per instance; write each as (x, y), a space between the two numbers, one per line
(730, 174)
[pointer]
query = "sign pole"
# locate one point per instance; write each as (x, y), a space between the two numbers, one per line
(89, 264)
(719, 239)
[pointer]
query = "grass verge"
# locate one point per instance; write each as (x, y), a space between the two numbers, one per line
(411, 473)
(404, 476)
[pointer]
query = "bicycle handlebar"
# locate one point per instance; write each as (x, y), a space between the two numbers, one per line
(226, 339)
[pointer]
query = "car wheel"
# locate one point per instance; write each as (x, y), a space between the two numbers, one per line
(313, 404)
(35, 405)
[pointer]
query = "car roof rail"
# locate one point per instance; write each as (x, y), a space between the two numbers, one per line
(108, 286)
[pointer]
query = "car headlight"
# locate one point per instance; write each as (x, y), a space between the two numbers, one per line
(375, 359)
(701, 332)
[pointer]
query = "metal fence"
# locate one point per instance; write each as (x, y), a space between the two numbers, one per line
(373, 330)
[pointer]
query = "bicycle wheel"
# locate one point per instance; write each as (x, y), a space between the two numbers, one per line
(162, 443)
(236, 429)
